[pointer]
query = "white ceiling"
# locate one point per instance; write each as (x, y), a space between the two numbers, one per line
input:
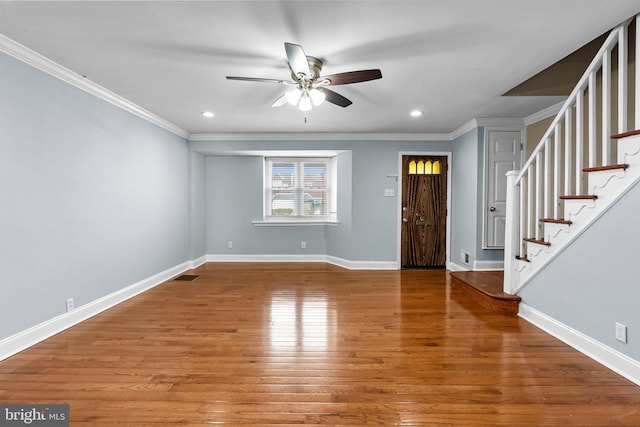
(450, 58)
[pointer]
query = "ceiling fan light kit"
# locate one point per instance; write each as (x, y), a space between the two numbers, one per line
(309, 87)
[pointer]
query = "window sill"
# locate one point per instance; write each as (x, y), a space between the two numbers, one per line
(290, 223)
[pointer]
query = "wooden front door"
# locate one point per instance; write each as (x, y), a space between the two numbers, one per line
(424, 211)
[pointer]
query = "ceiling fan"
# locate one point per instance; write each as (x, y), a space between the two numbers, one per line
(308, 87)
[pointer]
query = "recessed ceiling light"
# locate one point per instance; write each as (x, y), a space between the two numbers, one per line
(208, 114)
(416, 113)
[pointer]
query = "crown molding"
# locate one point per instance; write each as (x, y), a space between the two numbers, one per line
(544, 114)
(501, 122)
(34, 59)
(323, 136)
(451, 136)
(467, 127)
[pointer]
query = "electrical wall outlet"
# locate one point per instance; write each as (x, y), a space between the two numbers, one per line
(465, 257)
(70, 304)
(621, 332)
(303, 244)
(230, 244)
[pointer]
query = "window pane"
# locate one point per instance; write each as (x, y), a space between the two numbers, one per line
(283, 175)
(315, 189)
(412, 167)
(283, 203)
(428, 168)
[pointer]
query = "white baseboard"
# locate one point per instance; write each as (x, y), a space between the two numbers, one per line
(266, 258)
(477, 266)
(198, 262)
(605, 355)
(362, 265)
(340, 262)
(452, 266)
(22, 340)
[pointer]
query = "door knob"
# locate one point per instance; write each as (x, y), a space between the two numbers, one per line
(492, 209)
(405, 220)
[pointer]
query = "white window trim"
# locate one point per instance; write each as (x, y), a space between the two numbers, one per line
(330, 219)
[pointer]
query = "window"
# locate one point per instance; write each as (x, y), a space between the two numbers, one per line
(300, 189)
(424, 168)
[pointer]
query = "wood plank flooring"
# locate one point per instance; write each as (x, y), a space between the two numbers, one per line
(287, 344)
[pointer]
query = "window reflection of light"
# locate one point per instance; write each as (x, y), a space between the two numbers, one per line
(314, 322)
(283, 320)
(298, 321)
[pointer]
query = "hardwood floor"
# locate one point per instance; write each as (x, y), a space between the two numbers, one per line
(284, 344)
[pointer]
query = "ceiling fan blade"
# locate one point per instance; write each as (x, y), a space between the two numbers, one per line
(256, 79)
(297, 59)
(352, 77)
(335, 98)
(280, 101)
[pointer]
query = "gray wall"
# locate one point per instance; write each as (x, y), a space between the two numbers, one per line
(93, 198)
(467, 200)
(593, 283)
(197, 205)
(464, 197)
(234, 199)
(367, 229)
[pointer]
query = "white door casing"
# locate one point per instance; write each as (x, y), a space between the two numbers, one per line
(502, 154)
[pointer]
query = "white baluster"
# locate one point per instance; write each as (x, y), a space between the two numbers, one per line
(567, 152)
(623, 60)
(637, 76)
(546, 192)
(579, 139)
(524, 214)
(591, 119)
(539, 191)
(606, 108)
(556, 171)
(530, 206)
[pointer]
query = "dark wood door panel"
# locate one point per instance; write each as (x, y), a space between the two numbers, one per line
(424, 196)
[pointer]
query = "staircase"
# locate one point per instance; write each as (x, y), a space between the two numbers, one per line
(578, 169)
(606, 185)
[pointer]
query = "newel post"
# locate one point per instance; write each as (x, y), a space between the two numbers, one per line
(511, 232)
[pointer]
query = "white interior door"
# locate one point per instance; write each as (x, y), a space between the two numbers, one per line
(503, 155)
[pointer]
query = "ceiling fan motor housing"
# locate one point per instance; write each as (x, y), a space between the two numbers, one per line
(315, 67)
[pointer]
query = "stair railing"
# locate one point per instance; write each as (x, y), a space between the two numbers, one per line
(578, 134)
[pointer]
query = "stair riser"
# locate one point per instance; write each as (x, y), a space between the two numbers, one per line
(557, 234)
(606, 183)
(629, 149)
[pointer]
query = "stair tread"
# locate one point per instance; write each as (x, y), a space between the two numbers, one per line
(537, 241)
(578, 197)
(487, 289)
(625, 134)
(556, 221)
(622, 166)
